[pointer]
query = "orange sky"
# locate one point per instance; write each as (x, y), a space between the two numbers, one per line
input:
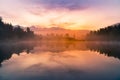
(77, 14)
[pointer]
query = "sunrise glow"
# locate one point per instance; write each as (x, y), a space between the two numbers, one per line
(69, 14)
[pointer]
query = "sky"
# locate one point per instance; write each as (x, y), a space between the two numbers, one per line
(68, 14)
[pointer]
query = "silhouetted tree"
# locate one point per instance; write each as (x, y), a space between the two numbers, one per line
(108, 33)
(8, 31)
(19, 32)
(0, 19)
(29, 33)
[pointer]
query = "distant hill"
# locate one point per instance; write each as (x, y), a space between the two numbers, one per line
(108, 33)
(79, 34)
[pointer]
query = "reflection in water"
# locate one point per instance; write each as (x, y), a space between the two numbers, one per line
(109, 48)
(59, 61)
(7, 50)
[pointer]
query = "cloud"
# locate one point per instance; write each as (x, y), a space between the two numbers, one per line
(74, 4)
(70, 14)
(67, 4)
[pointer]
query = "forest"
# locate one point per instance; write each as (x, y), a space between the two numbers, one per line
(109, 33)
(8, 31)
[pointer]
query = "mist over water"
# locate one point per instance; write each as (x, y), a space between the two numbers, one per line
(60, 60)
(59, 39)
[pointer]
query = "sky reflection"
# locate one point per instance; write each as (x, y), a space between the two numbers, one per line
(76, 64)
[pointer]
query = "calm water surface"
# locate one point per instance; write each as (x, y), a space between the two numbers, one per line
(60, 61)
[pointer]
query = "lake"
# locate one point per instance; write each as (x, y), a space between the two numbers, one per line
(49, 60)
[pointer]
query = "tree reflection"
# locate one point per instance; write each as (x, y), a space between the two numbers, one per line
(110, 49)
(7, 50)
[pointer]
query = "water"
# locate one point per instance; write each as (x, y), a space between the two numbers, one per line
(60, 61)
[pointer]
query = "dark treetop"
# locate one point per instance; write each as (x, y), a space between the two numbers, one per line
(8, 31)
(108, 33)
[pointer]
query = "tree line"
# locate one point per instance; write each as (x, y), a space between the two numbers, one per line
(8, 31)
(52, 36)
(108, 33)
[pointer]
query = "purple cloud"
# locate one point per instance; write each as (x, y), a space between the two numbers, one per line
(68, 4)
(74, 4)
